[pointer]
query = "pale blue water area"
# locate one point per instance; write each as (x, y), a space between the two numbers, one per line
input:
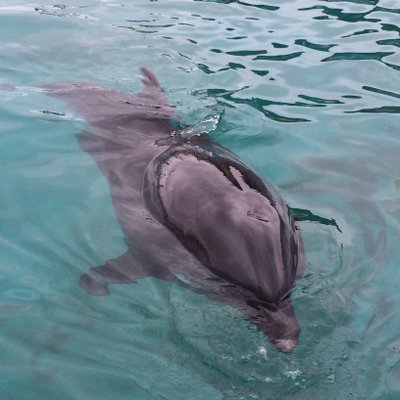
(308, 93)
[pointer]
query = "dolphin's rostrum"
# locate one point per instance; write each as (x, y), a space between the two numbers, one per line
(188, 207)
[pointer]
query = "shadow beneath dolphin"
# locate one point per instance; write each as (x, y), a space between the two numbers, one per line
(188, 207)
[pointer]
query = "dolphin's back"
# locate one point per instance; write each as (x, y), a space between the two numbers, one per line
(109, 108)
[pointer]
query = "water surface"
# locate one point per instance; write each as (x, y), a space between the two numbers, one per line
(307, 93)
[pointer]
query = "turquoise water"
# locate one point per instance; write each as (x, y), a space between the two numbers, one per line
(308, 93)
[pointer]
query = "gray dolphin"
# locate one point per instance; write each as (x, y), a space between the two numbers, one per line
(188, 207)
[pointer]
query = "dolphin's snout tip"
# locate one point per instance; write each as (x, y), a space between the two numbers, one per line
(285, 345)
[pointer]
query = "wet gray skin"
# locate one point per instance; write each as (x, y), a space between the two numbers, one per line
(188, 208)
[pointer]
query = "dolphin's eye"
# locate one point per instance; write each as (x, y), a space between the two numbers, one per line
(256, 216)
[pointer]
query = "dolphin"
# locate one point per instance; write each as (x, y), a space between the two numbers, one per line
(190, 210)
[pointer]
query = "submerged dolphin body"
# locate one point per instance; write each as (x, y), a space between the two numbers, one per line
(188, 207)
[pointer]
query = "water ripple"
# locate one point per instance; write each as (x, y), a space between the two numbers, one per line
(340, 15)
(383, 92)
(280, 57)
(314, 46)
(378, 110)
(243, 3)
(363, 32)
(220, 39)
(350, 56)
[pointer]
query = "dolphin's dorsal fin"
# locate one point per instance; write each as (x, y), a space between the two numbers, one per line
(152, 95)
(149, 79)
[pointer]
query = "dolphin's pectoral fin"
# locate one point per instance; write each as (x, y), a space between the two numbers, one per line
(123, 269)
